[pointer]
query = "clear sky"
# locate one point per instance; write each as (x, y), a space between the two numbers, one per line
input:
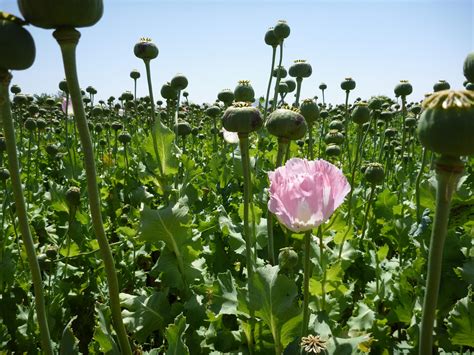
(215, 43)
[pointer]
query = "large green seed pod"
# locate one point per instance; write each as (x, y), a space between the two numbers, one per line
(403, 88)
(287, 258)
(63, 86)
(241, 117)
(17, 47)
(468, 67)
(300, 69)
(310, 110)
(333, 150)
(15, 89)
(213, 111)
(291, 84)
(182, 128)
(375, 103)
(145, 49)
(179, 82)
(287, 123)
(386, 116)
(61, 13)
(168, 92)
(226, 96)
(348, 84)
(270, 38)
(361, 113)
(446, 125)
(281, 30)
(374, 173)
(441, 85)
(334, 137)
(336, 124)
(323, 86)
(244, 92)
(280, 69)
(73, 197)
(282, 88)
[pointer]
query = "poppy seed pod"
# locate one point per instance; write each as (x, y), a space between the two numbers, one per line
(446, 125)
(168, 92)
(15, 89)
(361, 113)
(4, 174)
(124, 138)
(73, 197)
(30, 124)
(63, 86)
(348, 84)
(145, 49)
(182, 128)
(310, 110)
(287, 258)
(323, 86)
(403, 88)
(16, 44)
(324, 114)
(270, 38)
(226, 96)
(415, 109)
(282, 87)
(333, 150)
(135, 74)
(441, 85)
(52, 150)
(179, 82)
(280, 69)
(244, 92)
(286, 123)
(213, 111)
(336, 124)
(300, 69)
(334, 137)
(241, 117)
(281, 30)
(291, 84)
(65, 13)
(470, 86)
(468, 67)
(374, 173)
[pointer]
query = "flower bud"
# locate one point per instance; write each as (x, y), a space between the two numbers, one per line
(73, 197)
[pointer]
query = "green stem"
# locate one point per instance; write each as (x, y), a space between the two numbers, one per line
(244, 151)
(323, 268)
(366, 215)
(417, 185)
(447, 174)
(299, 81)
(306, 278)
(277, 83)
(269, 84)
(68, 39)
(310, 144)
(5, 116)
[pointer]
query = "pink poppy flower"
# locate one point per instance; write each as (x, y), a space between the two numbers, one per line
(67, 106)
(304, 194)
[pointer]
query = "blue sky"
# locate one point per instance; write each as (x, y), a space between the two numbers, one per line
(215, 43)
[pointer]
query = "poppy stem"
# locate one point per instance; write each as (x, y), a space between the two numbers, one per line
(306, 278)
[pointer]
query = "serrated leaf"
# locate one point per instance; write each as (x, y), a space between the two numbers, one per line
(103, 334)
(225, 299)
(163, 150)
(69, 343)
(174, 335)
(363, 320)
(460, 322)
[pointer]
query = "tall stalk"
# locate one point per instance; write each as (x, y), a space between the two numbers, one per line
(68, 39)
(417, 185)
(448, 171)
(13, 165)
(306, 278)
(274, 48)
(278, 78)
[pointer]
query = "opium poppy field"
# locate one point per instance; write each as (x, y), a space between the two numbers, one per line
(259, 223)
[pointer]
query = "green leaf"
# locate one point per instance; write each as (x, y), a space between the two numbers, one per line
(363, 320)
(174, 335)
(164, 152)
(69, 343)
(386, 201)
(291, 330)
(224, 299)
(273, 296)
(467, 271)
(461, 322)
(143, 315)
(103, 333)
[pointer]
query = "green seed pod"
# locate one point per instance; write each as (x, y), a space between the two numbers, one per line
(324, 114)
(281, 30)
(241, 117)
(441, 85)
(243, 92)
(51, 252)
(334, 137)
(333, 150)
(403, 88)
(415, 109)
(30, 124)
(4, 174)
(179, 82)
(291, 85)
(446, 125)
(127, 96)
(124, 138)
(348, 84)
(300, 143)
(65, 13)
(270, 38)
(52, 150)
(337, 125)
(3, 144)
(117, 126)
(213, 111)
(323, 86)
(310, 110)
(98, 127)
(73, 197)
(470, 86)
(380, 123)
(300, 69)
(214, 130)
(168, 92)
(91, 90)
(361, 113)
(145, 49)
(17, 47)
(182, 128)
(41, 124)
(15, 89)
(282, 87)
(468, 67)
(411, 122)
(390, 133)
(226, 96)
(135, 74)
(374, 173)
(286, 123)
(375, 103)
(280, 69)
(96, 110)
(287, 258)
